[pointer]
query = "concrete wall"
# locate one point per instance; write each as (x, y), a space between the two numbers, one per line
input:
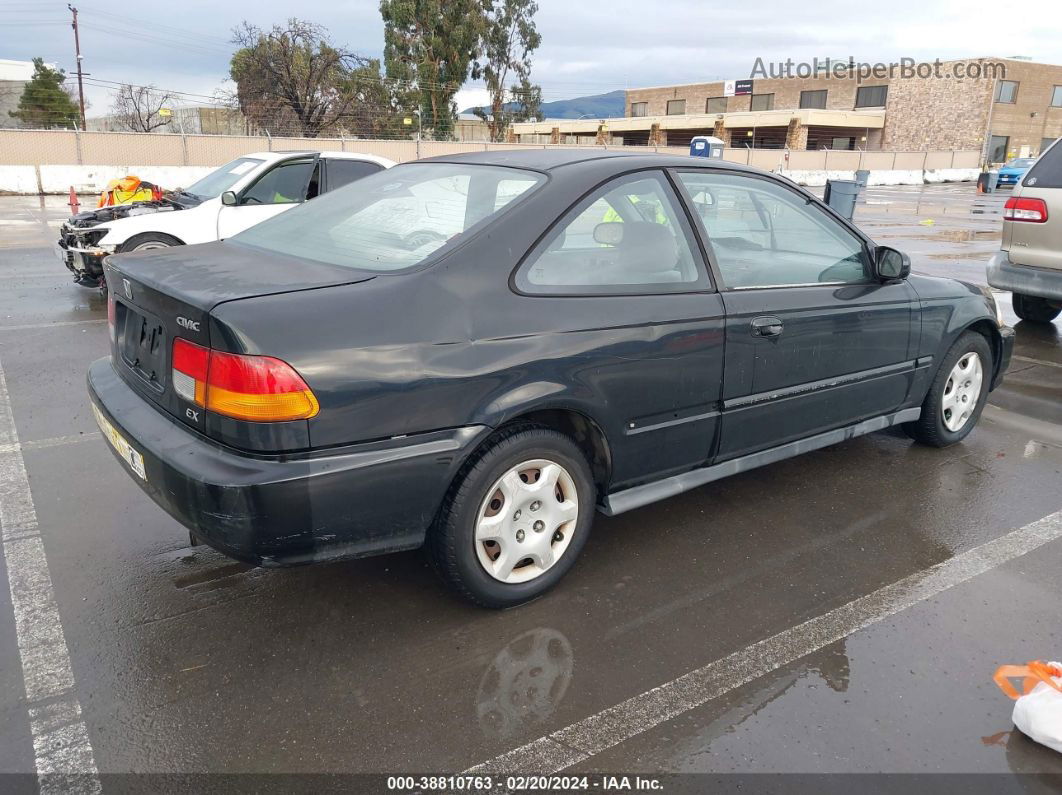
(51, 161)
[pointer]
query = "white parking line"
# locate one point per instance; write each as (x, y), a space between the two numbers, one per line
(612, 726)
(61, 742)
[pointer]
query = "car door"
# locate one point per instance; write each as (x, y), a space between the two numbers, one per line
(286, 184)
(621, 280)
(813, 342)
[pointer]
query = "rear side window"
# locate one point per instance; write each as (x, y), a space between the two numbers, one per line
(629, 236)
(1047, 173)
(393, 219)
(343, 172)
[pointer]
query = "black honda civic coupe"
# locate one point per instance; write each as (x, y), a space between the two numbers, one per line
(475, 353)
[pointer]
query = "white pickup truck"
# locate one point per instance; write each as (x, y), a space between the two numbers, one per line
(238, 195)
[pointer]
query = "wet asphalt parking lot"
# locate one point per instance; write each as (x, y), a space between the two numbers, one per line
(841, 612)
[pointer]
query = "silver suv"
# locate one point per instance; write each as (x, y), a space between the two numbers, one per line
(1030, 262)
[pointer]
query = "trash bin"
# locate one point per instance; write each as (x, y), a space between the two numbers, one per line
(993, 180)
(862, 176)
(841, 195)
(706, 146)
(987, 181)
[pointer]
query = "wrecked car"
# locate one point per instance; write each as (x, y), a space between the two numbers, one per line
(238, 195)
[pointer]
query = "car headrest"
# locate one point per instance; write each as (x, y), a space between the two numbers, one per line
(645, 243)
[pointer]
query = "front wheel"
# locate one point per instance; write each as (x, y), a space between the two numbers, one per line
(148, 241)
(957, 395)
(515, 521)
(1034, 309)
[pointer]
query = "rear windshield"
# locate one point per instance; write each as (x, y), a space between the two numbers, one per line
(1047, 172)
(1021, 162)
(217, 182)
(394, 219)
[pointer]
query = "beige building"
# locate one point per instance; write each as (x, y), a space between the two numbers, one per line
(1004, 107)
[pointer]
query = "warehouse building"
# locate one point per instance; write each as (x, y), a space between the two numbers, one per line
(1003, 107)
(13, 78)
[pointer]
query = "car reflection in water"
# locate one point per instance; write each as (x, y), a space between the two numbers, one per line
(524, 683)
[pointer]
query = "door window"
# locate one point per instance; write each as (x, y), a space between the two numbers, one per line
(628, 236)
(342, 171)
(765, 235)
(283, 184)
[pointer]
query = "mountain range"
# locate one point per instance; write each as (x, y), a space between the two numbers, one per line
(602, 106)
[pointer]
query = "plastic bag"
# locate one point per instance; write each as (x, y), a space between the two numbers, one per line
(1038, 707)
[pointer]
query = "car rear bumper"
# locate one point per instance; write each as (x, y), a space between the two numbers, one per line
(368, 499)
(1038, 282)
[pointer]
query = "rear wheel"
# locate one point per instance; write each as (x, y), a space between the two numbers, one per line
(957, 395)
(516, 519)
(1034, 309)
(148, 241)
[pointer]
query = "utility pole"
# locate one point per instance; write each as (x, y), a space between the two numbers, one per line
(77, 51)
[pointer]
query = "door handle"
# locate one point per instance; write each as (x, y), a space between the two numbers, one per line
(768, 326)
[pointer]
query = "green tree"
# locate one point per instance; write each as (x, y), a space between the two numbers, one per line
(429, 47)
(44, 102)
(509, 37)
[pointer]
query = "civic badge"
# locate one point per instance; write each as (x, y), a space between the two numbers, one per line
(128, 289)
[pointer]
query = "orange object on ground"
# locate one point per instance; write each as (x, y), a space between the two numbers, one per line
(1031, 675)
(127, 190)
(75, 205)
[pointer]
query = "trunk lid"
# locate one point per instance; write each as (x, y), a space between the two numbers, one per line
(163, 294)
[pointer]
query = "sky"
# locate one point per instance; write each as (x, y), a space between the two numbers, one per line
(588, 47)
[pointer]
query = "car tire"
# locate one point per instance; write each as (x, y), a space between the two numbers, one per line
(947, 413)
(1034, 309)
(148, 241)
(484, 490)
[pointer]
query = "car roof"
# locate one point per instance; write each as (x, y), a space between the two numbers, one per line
(280, 155)
(548, 159)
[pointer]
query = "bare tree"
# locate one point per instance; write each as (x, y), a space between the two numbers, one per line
(139, 108)
(291, 77)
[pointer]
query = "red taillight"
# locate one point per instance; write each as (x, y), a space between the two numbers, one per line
(1019, 208)
(257, 388)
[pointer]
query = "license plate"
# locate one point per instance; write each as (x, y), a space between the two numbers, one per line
(118, 442)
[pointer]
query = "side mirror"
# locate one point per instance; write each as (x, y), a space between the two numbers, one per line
(890, 264)
(228, 198)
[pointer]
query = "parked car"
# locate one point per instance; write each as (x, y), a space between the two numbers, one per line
(593, 331)
(226, 201)
(1012, 172)
(1029, 262)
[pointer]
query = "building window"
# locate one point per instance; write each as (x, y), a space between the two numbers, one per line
(1007, 91)
(997, 148)
(762, 102)
(676, 107)
(639, 108)
(715, 105)
(1056, 97)
(871, 96)
(813, 99)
